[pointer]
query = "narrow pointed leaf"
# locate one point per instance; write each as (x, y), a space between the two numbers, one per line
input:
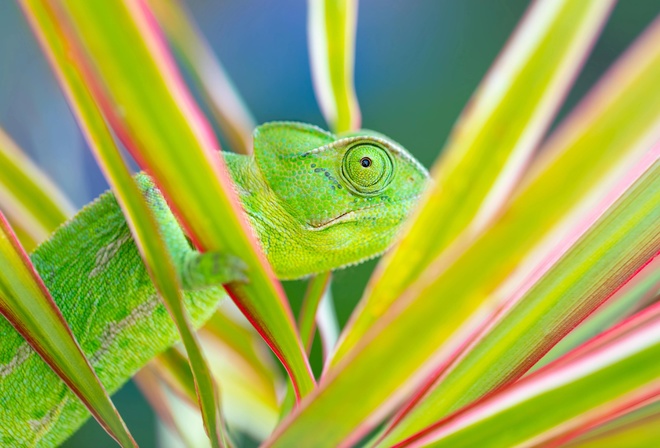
(555, 400)
(331, 36)
(587, 270)
(312, 317)
(27, 305)
(611, 252)
(172, 367)
(28, 198)
(326, 321)
(249, 379)
(600, 140)
(593, 146)
(638, 429)
(157, 120)
(67, 63)
(644, 286)
(221, 96)
(489, 147)
(307, 319)
(331, 26)
(23, 235)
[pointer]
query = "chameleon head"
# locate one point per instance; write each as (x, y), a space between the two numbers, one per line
(347, 196)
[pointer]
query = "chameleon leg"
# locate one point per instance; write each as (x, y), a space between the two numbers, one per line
(201, 270)
(196, 270)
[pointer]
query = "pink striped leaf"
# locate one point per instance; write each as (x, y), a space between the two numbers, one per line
(611, 374)
(488, 149)
(155, 117)
(620, 238)
(219, 93)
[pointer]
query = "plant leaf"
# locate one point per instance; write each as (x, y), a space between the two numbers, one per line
(27, 305)
(248, 381)
(155, 117)
(153, 390)
(638, 429)
(603, 137)
(607, 379)
(326, 321)
(28, 198)
(331, 36)
(23, 235)
(172, 367)
(67, 63)
(331, 28)
(643, 287)
(419, 335)
(488, 148)
(221, 96)
(606, 256)
(244, 370)
(316, 288)
(591, 148)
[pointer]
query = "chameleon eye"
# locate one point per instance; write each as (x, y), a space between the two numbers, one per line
(367, 168)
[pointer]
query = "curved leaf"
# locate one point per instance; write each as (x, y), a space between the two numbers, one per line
(331, 37)
(222, 98)
(316, 289)
(155, 117)
(606, 256)
(643, 287)
(67, 63)
(488, 148)
(27, 196)
(614, 376)
(638, 429)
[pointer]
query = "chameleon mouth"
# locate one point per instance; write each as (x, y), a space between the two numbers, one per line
(353, 214)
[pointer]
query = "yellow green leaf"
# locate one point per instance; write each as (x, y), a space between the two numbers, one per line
(553, 403)
(153, 113)
(488, 149)
(638, 429)
(611, 251)
(331, 36)
(67, 62)
(223, 100)
(28, 198)
(307, 319)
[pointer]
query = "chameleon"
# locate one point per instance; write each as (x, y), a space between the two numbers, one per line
(316, 202)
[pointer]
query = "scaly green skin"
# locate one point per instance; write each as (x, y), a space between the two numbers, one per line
(313, 205)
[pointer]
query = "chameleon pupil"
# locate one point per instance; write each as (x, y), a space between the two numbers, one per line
(367, 168)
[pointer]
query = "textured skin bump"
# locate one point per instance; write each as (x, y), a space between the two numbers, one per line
(303, 210)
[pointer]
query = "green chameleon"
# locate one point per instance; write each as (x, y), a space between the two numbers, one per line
(316, 201)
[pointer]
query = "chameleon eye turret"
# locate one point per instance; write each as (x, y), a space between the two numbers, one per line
(367, 168)
(346, 194)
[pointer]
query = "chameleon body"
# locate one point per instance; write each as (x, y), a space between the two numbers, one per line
(316, 202)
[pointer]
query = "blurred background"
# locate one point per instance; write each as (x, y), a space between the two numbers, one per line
(417, 63)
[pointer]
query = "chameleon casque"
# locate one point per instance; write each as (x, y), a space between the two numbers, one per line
(316, 201)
